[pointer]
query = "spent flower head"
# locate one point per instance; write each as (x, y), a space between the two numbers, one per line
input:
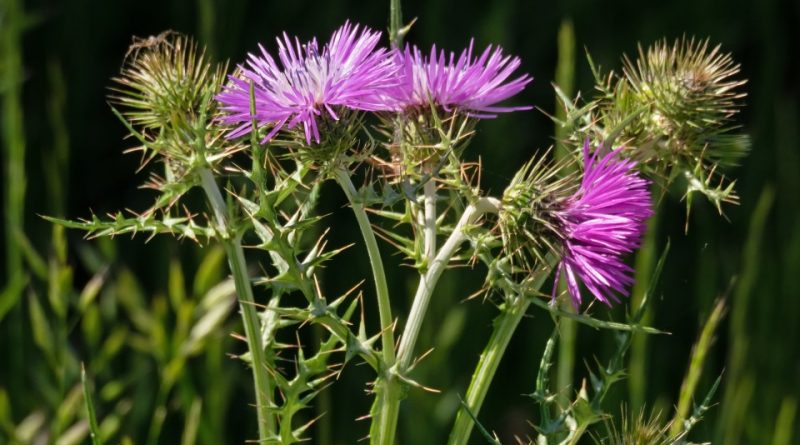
(308, 83)
(672, 108)
(165, 91)
(469, 83)
(165, 94)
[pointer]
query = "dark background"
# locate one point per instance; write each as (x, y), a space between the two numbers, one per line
(71, 49)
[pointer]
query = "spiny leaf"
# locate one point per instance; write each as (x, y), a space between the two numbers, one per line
(594, 322)
(182, 227)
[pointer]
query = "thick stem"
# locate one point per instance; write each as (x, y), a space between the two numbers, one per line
(428, 281)
(390, 395)
(567, 333)
(238, 266)
(487, 367)
(13, 153)
(504, 328)
(565, 79)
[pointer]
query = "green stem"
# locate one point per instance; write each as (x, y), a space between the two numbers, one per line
(395, 23)
(13, 145)
(381, 288)
(385, 420)
(565, 79)
(504, 328)
(384, 424)
(645, 262)
(238, 266)
(567, 333)
(13, 138)
(389, 393)
(487, 366)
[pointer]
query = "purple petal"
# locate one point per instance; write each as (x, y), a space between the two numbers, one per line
(603, 220)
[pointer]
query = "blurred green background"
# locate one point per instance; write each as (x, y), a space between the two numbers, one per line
(127, 308)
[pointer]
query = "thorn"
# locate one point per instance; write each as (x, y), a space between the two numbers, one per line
(238, 337)
(420, 358)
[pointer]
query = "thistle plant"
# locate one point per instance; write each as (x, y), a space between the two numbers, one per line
(672, 109)
(261, 140)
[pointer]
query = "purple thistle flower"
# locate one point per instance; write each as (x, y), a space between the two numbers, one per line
(602, 221)
(349, 72)
(468, 83)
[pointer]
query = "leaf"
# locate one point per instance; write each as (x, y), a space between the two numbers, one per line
(181, 227)
(40, 326)
(11, 294)
(594, 322)
(94, 430)
(192, 423)
(699, 353)
(35, 261)
(91, 290)
(490, 438)
(212, 313)
(209, 273)
(176, 284)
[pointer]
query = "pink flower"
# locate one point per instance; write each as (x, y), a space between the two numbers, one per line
(601, 222)
(472, 84)
(309, 83)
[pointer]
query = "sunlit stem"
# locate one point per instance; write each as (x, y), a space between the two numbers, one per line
(429, 190)
(431, 277)
(504, 326)
(236, 261)
(384, 425)
(388, 421)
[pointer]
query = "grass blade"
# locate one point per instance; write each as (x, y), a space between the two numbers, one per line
(699, 354)
(94, 430)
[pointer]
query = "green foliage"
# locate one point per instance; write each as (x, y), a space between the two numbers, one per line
(159, 343)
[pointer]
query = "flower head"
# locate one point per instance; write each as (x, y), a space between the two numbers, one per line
(309, 83)
(472, 84)
(603, 220)
(164, 92)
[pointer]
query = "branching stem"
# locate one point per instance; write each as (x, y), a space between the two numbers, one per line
(428, 281)
(504, 326)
